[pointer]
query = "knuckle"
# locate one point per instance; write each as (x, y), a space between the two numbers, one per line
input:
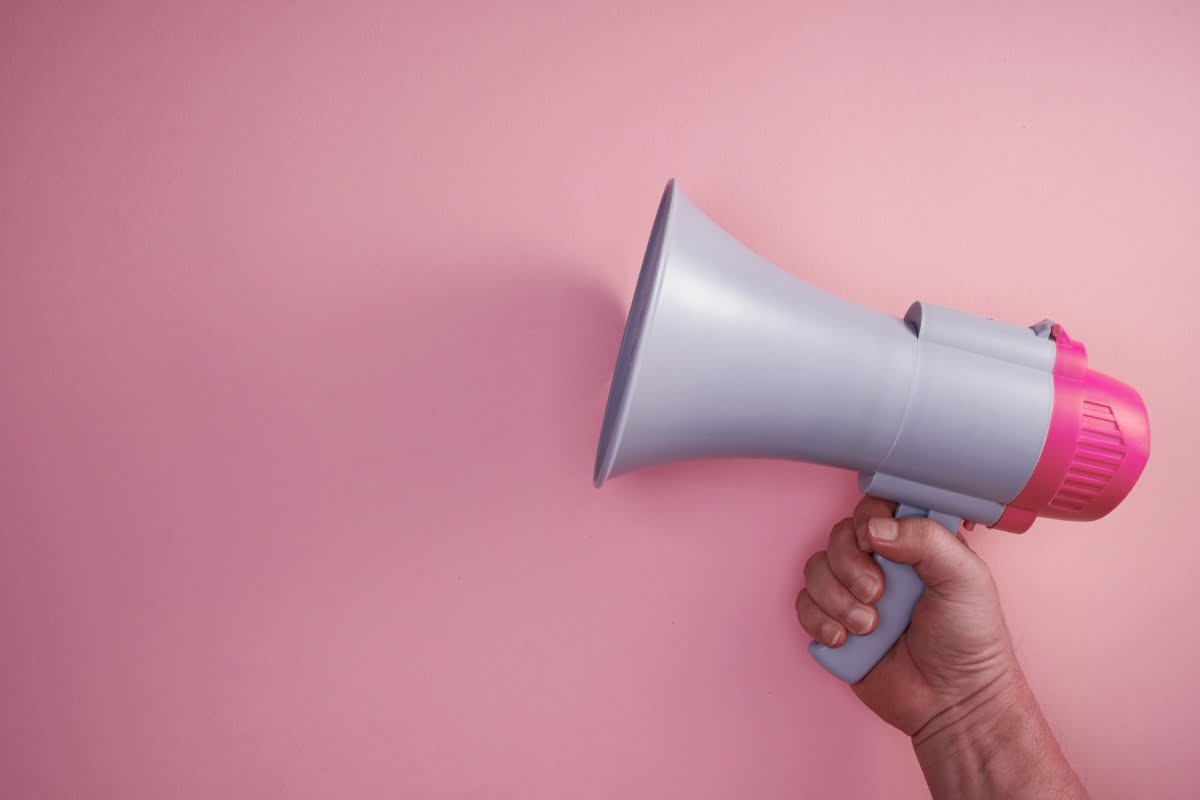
(842, 533)
(815, 561)
(808, 614)
(802, 600)
(982, 566)
(846, 561)
(923, 528)
(832, 597)
(871, 506)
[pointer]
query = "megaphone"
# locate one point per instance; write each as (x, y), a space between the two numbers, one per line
(953, 416)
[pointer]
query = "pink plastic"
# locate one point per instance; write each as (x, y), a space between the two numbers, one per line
(1096, 447)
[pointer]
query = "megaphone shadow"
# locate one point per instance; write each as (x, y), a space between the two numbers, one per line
(512, 377)
(787, 508)
(509, 376)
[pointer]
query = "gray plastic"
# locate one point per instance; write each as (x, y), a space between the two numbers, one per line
(902, 589)
(983, 336)
(1043, 329)
(727, 355)
(963, 506)
(980, 405)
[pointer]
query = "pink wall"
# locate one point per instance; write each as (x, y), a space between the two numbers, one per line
(307, 315)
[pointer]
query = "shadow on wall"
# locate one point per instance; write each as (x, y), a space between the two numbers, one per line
(509, 376)
(506, 377)
(510, 373)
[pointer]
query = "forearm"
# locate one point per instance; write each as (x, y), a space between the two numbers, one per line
(997, 744)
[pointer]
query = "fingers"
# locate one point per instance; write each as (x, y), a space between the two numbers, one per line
(869, 507)
(938, 558)
(843, 582)
(851, 566)
(822, 627)
(833, 598)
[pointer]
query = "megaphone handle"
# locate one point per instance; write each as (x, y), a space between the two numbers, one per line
(901, 590)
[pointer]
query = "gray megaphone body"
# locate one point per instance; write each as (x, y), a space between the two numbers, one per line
(953, 416)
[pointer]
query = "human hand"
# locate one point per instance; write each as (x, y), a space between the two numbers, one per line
(956, 654)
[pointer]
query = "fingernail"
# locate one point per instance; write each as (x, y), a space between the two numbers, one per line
(859, 620)
(831, 633)
(864, 589)
(883, 529)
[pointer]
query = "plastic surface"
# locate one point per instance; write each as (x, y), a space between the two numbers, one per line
(983, 336)
(889, 487)
(980, 406)
(1096, 448)
(725, 354)
(901, 590)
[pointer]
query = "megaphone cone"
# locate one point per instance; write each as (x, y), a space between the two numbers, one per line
(725, 354)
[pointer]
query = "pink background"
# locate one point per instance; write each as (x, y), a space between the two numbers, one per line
(307, 317)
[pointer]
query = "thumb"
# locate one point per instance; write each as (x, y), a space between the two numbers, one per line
(940, 560)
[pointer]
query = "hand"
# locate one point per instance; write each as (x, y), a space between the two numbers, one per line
(952, 681)
(956, 652)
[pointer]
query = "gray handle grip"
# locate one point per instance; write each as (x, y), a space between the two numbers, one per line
(901, 590)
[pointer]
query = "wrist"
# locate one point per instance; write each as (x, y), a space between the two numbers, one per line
(994, 743)
(995, 706)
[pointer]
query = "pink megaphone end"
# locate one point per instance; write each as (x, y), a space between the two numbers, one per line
(1096, 447)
